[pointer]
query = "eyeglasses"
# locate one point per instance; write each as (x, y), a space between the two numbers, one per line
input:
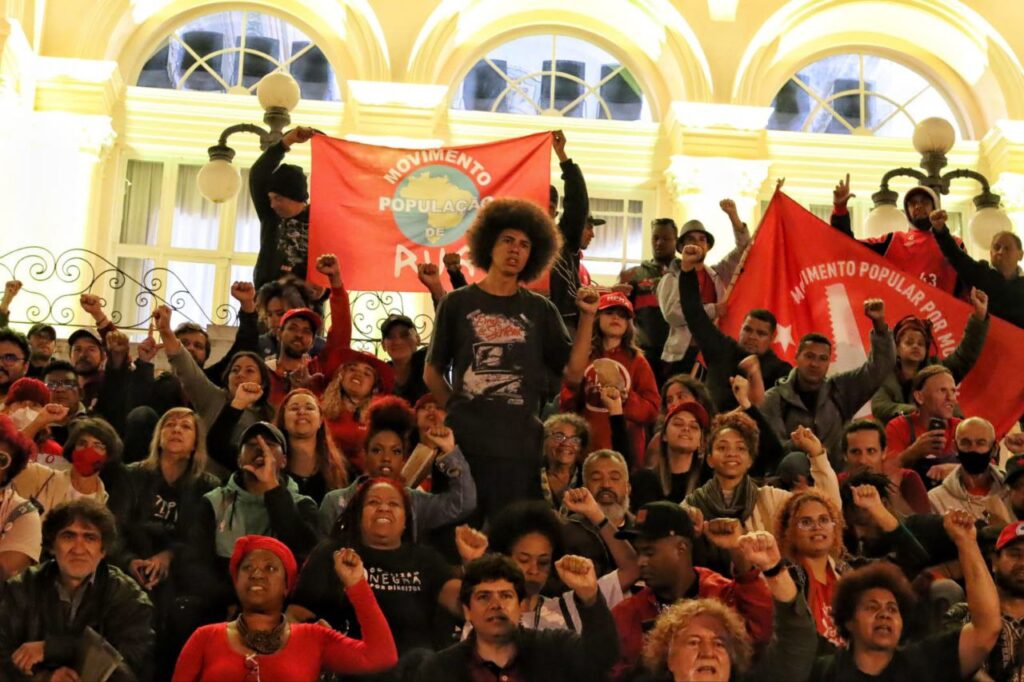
(807, 523)
(560, 438)
(11, 358)
(252, 668)
(57, 384)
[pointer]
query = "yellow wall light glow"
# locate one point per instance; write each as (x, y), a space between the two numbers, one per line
(722, 10)
(381, 93)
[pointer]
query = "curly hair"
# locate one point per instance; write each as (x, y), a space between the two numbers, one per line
(575, 421)
(740, 422)
(329, 459)
(522, 518)
(17, 446)
(678, 617)
(852, 584)
(84, 510)
(514, 214)
(333, 400)
(391, 413)
(101, 430)
(785, 529)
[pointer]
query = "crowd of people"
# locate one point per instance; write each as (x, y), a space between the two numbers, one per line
(565, 482)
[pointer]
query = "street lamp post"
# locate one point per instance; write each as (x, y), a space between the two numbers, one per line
(933, 138)
(278, 93)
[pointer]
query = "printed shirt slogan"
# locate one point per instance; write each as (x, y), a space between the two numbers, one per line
(384, 210)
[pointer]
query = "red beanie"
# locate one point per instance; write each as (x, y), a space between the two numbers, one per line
(250, 543)
(27, 388)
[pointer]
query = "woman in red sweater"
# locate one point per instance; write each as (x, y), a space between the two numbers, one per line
(262, 645)
(615, 360)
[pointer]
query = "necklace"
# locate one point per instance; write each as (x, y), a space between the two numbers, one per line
(261, 641)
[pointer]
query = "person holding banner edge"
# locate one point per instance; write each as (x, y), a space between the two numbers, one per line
(501, 341)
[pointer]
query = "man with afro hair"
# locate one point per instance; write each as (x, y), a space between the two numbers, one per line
(498, 342)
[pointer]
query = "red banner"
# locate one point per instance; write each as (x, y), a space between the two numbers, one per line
(815, 279)
(383, 210)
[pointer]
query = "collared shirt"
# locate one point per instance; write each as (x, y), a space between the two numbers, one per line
(487, 671)
(72, 602)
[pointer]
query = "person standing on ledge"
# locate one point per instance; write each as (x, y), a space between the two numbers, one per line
(280, 196)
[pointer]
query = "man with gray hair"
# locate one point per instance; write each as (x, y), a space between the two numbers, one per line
(606, 476)
(976, 485)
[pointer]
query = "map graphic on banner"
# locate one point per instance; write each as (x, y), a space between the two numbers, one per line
(816, 279)
(384, 210)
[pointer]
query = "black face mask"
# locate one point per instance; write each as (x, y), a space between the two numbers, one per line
(974, 463)
(922, 223)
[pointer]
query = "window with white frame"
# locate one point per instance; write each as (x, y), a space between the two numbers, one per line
(177, 244)
(619, 243)
(231, 51)
(552, 75)
(860, 94)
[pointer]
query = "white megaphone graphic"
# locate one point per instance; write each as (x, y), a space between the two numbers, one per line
(849, 348)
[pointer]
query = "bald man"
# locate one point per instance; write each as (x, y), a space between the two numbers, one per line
(975, 484)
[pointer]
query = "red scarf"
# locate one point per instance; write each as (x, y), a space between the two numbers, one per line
(708, 292)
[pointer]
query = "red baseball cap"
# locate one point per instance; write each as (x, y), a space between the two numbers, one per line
(694, 408)
(1011, 533)
(315, 321)
(615, 299)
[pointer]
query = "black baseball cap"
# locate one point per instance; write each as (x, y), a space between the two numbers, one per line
(595, 221)
(42, 328)
(267, 430)
(1014, 468)
(394, 319)
(659, 520)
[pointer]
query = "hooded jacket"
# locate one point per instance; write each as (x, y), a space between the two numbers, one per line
(992, 508)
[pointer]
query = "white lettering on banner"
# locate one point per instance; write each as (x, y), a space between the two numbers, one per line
(903, 284)
(407, 258)
(451, 156)
(430, 205)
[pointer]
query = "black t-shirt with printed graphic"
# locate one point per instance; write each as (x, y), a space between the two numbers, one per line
(500, 350)
(406, 582)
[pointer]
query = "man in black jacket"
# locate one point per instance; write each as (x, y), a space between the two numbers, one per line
(722, 353)
(280, 196)
(48, 608)
(576, 232)
(499, 648)
(1001, 279)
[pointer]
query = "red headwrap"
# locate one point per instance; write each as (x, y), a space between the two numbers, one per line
(250, 543)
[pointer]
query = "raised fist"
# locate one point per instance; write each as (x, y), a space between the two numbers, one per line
(245, 294)
(471, 543)
(452, 261)
(348, 566)
(874, 309)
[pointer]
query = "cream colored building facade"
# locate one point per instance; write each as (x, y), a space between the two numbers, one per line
(708, 69)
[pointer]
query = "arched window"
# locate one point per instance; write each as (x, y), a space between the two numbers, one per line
(231, 52)
(860, 94)
(552, 75)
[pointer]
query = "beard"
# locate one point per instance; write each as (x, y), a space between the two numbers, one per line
(293, 353)
(1009, 585)
(922, 223)
(616, 511)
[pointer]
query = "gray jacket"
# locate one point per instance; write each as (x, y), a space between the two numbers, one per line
(429, 510)
(840, 397)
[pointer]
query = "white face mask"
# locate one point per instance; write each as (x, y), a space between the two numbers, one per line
(24, 416)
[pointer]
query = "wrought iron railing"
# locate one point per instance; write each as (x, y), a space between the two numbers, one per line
(52, 285)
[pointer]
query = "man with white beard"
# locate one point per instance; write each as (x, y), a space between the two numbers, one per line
(606, 476)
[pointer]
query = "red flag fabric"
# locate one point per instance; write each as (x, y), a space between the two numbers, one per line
(383, 210)
(815, 279)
